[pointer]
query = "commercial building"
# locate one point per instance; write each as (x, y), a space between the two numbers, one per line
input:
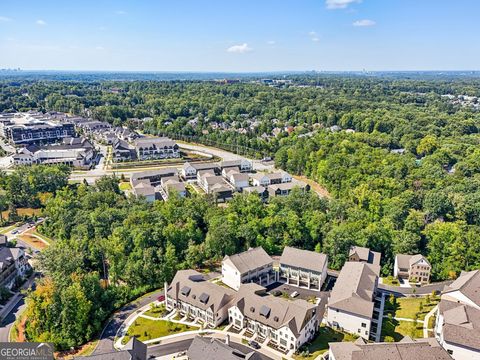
(33, 128)
(253, 265)
(303, 268)
(351, 302)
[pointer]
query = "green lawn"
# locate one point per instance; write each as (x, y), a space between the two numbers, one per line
(408, 307)
(124, 186)
(320, 344)
(399, 329)
(43, 237)
(146, 329)
(4, 230)
(158, 311)
(390, 280)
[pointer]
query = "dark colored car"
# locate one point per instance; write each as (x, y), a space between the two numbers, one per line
(276, 293)
(254, 344)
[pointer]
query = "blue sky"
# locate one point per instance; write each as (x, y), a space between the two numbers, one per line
(240, 35)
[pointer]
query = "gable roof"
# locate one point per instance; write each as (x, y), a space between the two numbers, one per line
(303, 259)
(249, 260)
(365, 254)
(134, 350)
(256, 304)
(355, 288)
(461, 324)
(190, 285)
(468, 283)
(203, 348)
(406, 349)
(154, 141)
(405, 261)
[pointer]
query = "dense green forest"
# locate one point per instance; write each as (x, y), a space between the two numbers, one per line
(425, 198)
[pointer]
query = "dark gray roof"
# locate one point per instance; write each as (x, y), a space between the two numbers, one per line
(134, 350)
(203, 348)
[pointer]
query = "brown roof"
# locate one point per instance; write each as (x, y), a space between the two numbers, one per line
(203, 348)
(405, 261)
(407, 349)
(355, 288)
(250, 259)
(304, 259)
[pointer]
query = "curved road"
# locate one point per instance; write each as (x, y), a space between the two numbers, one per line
(107, 337)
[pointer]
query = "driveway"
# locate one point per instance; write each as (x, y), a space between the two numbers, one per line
(107, 337)
(421, 290)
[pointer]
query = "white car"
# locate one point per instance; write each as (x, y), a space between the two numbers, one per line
(294, 294)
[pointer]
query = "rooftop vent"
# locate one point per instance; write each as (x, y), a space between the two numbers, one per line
(185, 290)
(204, 298)
(265, 311)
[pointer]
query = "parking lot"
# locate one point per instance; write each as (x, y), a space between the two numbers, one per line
(304, 294)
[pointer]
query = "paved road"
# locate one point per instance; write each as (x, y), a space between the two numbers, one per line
(421, 290)
(9, 320)
(108, 336)
(176, 347)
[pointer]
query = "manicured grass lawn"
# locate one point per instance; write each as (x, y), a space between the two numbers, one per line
(408, 307)
(390, 280)
(399, 329)
(158, 311)
(145, 329)
(320, 344)
(124, 186)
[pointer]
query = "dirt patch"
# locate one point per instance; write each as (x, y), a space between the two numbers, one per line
(33, 241)
(22, 212)
(319, 189)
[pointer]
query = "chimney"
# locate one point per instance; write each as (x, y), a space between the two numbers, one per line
(227, 340)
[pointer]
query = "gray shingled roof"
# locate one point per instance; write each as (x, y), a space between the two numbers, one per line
(365, 254)
(255, 303)
(134, 350)
(404, 261)
(218, 296)
(203, 348)
(303, 259)
(407, 349)
(355, 288)
(468, 283)
(250, 259)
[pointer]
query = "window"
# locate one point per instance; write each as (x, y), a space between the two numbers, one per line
(364, 325)
(450, 352)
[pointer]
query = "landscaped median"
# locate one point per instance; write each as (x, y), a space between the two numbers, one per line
(145, 329)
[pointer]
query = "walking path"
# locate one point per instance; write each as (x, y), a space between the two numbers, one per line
(427, 318)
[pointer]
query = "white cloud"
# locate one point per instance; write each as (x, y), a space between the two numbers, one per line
(121, 12)
(364, 23)
(314, 36)
(4, 19)
(240, 49)
(40, 22)
(340, 4)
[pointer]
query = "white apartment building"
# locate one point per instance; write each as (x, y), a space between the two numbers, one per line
(253, 265)
(303, 268)
(351, 303)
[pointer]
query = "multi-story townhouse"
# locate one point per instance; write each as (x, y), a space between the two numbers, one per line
(156, 148)
(192, 295)
(13, 264)
(303, 268)
(287, 324)
(243, 165)
(253, 265)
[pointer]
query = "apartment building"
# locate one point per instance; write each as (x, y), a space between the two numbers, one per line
(303, 268)
(253, 265)
(351, 302)
(156, 148)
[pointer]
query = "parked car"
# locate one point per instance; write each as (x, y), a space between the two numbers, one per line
(181, 353)
(14, 232)
(161, 298)
(254, 344)
(276, 293)
(294, 294)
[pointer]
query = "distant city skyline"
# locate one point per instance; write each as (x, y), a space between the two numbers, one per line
(240, 36)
